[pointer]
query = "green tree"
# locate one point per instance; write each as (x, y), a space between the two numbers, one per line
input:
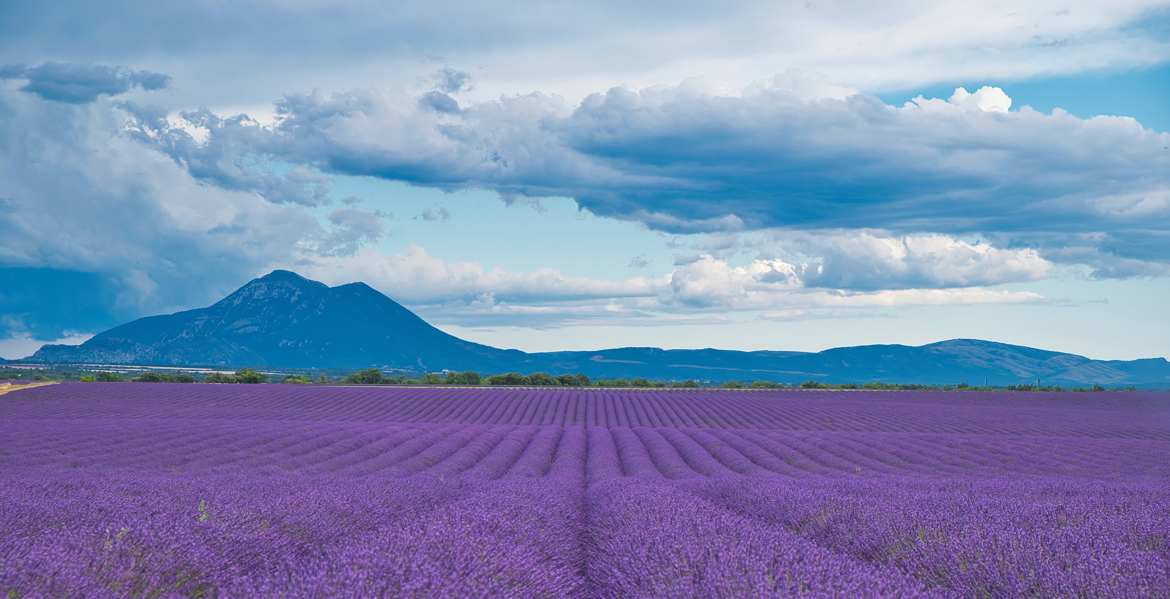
(250, 376)
(220, 377)
(369, 376)
(296, 379)
(573, 380)
(469, 377)
(508, 379)
(542, 379)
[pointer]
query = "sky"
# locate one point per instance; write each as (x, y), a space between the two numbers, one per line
(790, 176)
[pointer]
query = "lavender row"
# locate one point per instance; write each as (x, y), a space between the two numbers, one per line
(1094, 415)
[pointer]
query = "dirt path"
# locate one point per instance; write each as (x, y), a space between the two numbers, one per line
(11, 387)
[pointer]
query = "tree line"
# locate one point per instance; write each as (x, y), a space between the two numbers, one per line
(374, 376)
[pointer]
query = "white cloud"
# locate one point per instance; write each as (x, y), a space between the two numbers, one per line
(420, 278)
(770, 285)
(24, 345)
(576, 48)
(470, 295)
(861, 260)
(986, 99)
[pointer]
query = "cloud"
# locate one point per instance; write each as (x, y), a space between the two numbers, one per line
(682, 160)
(709, 282)
(239, 157)
(83, 193)
(416, 277)
(434, 214)
(189, 229)
(468, 294)
(352, 229)
(452, 81)
(869, 260)
(439, 102)
(81, 83)
(581, 47)
(24, 345)
(638, 261)
(772, 285)
(986, 99)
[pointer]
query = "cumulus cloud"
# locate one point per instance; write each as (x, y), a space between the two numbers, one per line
(80, 83)
(862, 260)
(776, 286)
(708, 282)
(682, 160)
(986, 99)
(83, 193)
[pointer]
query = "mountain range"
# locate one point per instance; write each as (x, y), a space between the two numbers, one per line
(283, 320)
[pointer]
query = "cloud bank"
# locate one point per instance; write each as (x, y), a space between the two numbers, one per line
(682, 160)
(861, 204)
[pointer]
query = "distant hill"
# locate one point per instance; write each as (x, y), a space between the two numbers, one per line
(285, 320)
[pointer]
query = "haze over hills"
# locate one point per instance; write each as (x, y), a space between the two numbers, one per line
(285, 320)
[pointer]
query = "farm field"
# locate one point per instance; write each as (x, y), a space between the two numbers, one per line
(156, 490)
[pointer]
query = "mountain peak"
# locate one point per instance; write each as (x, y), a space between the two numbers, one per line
(284, 275)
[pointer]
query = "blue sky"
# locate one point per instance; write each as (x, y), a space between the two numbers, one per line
(569, 177)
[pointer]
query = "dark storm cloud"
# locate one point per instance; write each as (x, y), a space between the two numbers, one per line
(81, 83)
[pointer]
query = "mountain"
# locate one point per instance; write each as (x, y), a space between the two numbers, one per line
(283, 320)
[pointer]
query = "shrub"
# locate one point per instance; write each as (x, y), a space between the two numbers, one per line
(296, 379)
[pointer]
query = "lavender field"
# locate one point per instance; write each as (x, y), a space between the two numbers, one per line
(143, 490)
